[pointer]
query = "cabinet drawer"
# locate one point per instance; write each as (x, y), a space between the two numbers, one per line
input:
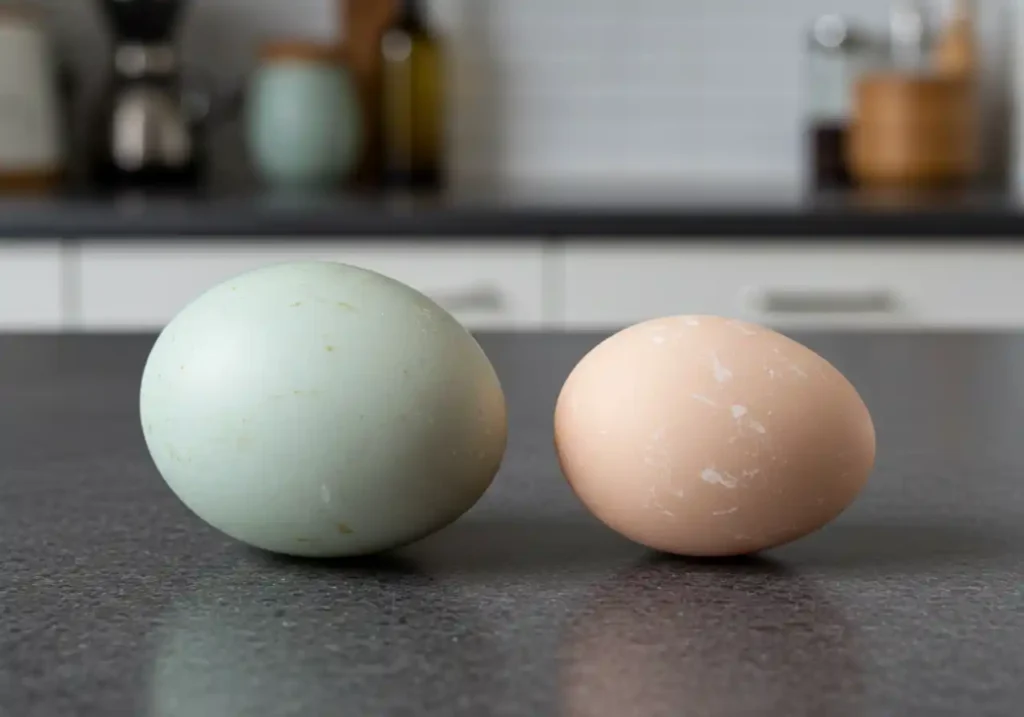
(865, 286)
(30, 286)
(487, 285)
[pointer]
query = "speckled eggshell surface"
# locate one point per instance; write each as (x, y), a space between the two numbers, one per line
(318, 409)
(707, 436)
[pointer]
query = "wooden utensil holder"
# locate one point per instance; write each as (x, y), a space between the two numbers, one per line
(910, 130)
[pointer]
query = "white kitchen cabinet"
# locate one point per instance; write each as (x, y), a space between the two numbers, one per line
(30, 286)
(829, 285)
(486, 284)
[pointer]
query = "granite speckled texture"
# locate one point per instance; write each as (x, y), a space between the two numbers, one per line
(115, 600)
(663, 211)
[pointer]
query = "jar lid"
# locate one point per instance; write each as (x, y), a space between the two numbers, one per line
(308, 50)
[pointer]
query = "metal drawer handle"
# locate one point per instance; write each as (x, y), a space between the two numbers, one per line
(481, 298)
(811, 301)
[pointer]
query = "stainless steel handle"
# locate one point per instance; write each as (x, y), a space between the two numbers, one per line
(824, 301)
(479, 298)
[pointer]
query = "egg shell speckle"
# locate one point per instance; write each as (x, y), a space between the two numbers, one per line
(708, 436)
(318, 409)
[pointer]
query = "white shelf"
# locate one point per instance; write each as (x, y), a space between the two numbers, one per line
(525, 285)
(141, 286)
(796, 285)
(31, 297)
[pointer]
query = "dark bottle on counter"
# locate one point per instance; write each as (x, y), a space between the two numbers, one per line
(836, 56)
(412, 102)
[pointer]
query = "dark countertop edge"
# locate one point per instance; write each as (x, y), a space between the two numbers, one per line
(205, 223)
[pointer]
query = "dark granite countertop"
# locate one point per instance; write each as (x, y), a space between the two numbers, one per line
(539, 212)
(117, 601)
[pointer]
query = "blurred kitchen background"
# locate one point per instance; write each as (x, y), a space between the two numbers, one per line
(532, 164)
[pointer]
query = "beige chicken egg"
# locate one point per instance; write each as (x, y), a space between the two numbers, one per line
(707, 436)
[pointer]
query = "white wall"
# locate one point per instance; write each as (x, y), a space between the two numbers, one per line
(691, 88)
(563, 88)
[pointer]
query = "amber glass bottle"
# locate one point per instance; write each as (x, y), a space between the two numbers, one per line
(412, 95)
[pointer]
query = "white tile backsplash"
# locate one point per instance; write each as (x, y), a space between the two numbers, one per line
(700, 90)
(695, 89)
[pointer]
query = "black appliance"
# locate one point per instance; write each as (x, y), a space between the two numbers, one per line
(148, 132)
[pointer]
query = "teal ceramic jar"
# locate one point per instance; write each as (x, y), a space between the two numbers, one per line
(304, 121)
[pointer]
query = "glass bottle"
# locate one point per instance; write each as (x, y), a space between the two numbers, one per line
(837, 54)
(412, 95)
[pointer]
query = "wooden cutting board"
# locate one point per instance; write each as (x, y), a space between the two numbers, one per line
(363, 23)
(955, 53)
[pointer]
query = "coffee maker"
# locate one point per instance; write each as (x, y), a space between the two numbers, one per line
(148, 133)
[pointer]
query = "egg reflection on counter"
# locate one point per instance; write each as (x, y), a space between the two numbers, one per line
(670, 637)
(707, 436)
(278, 637)
(322, 410)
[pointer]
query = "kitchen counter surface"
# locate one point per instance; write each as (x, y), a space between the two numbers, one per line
(558, 213)
(116, 600)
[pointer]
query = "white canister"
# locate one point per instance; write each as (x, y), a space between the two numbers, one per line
(31, 138)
